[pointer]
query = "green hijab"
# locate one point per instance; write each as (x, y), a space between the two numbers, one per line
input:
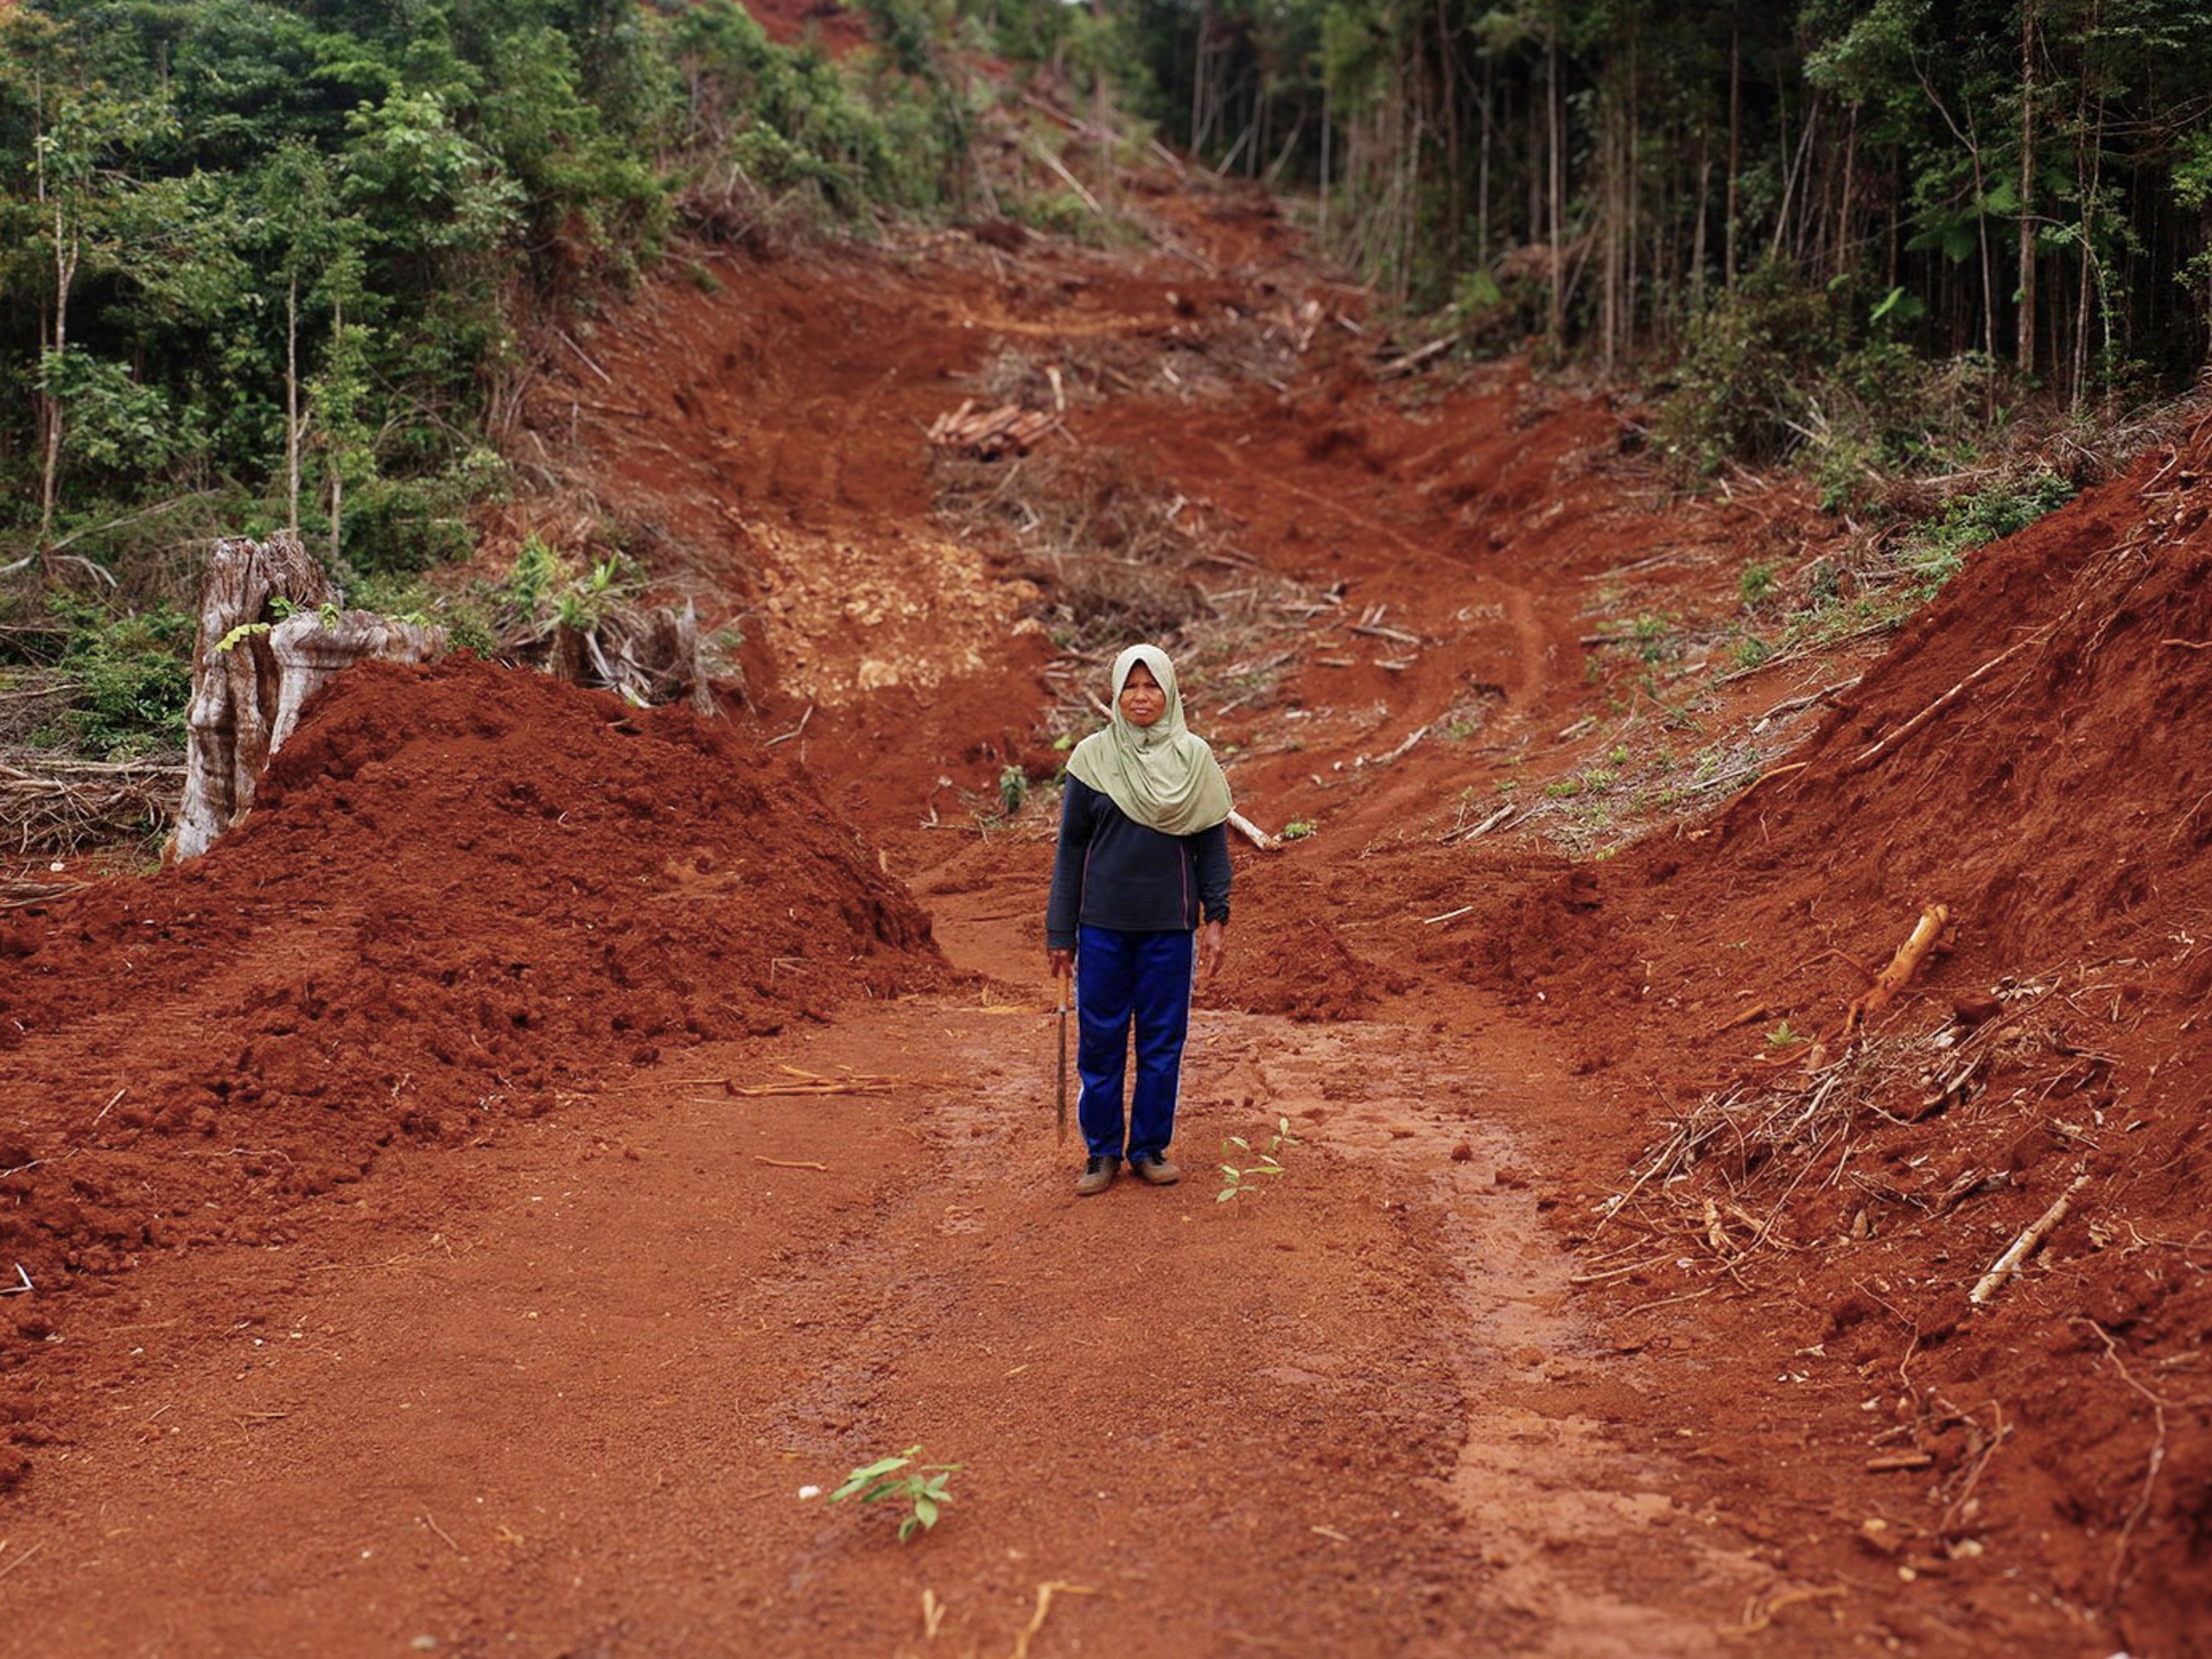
(1160, 775)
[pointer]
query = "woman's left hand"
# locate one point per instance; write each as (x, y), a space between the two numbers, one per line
(1213, 940)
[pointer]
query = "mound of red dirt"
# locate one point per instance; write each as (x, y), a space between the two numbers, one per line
(2036, 754)
(463, 890)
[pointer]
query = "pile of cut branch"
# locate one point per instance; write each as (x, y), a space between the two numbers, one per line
(1114, 558)
(31, 698)
(55, 805)
(1828, 1151)
(991, 434)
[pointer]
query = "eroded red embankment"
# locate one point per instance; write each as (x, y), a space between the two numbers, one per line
(2061, 805)
(463, 890)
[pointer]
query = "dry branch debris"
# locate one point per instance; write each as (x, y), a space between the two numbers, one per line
(2022, 1247)
(50, 806)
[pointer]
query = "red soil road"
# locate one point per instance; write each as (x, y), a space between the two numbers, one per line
(434, 1279)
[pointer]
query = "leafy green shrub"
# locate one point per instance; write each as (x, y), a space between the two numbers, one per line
(116, 424)
(1933, 552)
(1885, 409)
(1741, 390)
(530, 581)
(394, 526)
(132, 676)
(1055, 212)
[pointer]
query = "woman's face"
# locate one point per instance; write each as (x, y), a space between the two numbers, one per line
(1142, 701)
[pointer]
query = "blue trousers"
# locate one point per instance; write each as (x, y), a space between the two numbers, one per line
(1124, 980)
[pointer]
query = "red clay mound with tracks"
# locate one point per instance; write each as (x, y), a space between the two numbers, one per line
(464, 889)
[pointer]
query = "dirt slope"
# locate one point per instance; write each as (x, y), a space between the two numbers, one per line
(1584, 1320)
(464, 893)
(2057, 805)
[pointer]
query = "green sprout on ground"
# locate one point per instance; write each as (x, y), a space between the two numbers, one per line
(920, 1489)
(1297, 829)
(1782, 1037)
(1242, 1176)
(1013, 789)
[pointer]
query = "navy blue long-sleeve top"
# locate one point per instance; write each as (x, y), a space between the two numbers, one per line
(1111, 871)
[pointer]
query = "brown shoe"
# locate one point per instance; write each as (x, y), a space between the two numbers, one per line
(1097, 1175)
(1155, 1169)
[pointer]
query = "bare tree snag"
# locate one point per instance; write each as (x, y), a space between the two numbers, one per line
(251, 672)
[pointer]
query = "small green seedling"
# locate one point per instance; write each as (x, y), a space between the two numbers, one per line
(1782, 1037)
(1013, 789)
(283, 610)
(921, 1489)
(1243, 1177)
(243, 630)
(1297, 829)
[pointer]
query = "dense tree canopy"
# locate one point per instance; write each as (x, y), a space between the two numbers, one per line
(271, 257)
(274, 253)
(2027, 181)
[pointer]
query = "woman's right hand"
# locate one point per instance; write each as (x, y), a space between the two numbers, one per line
(1062, 963)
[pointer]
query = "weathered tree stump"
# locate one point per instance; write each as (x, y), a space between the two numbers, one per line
(658, 651)
(310, 648)
(251, 672)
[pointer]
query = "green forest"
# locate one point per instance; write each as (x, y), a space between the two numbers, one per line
(271, 259)
(2017, 194)
(273, 266)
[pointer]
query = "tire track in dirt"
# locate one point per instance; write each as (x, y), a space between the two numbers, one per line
(576, 1417)
(1580, 1549)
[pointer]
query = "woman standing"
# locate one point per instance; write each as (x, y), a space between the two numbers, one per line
(1143, 859)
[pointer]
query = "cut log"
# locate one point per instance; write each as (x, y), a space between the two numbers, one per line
(1413, 360)
(991, 433)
